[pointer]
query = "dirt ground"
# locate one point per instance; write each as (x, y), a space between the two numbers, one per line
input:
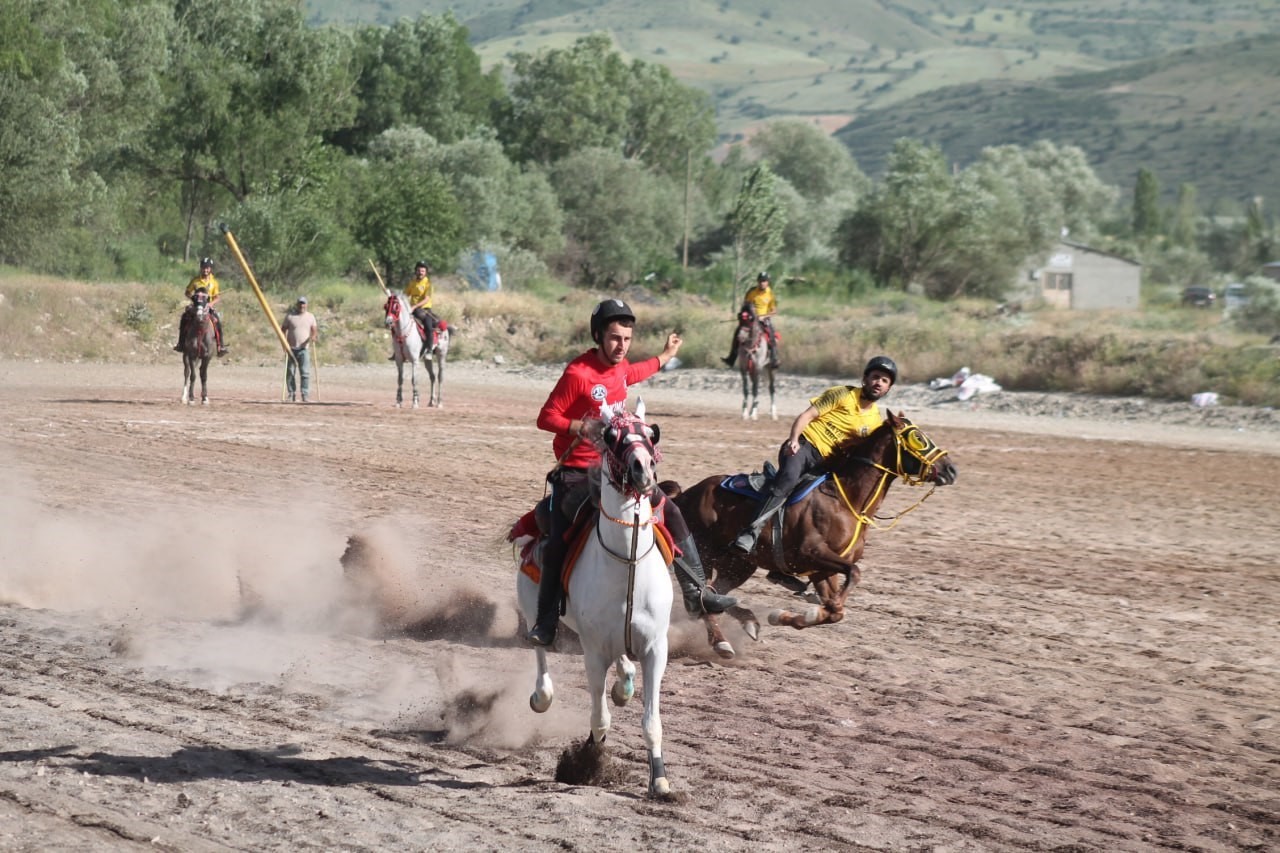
(1076, 647)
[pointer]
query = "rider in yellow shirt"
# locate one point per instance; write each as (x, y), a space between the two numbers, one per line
(419, 293)
(834, 416)
(210, 284)
(763, 304)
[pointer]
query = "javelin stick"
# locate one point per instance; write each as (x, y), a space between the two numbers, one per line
(262, 300)
(381, 283)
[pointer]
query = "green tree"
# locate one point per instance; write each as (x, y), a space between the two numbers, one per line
(420, 73)
(565, 100)
(617, 214)
(406, 213)
(1146, 206)
(758, 223)
(1182, 220)
(250, 93)
(667, 121)
(901, 230)
(817, 166)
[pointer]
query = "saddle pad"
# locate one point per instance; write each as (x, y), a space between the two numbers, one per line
(755, 486)
(578, 537)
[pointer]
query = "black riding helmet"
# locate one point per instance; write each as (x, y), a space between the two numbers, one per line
(206, 262)
(884, 363)
(764, 276)
(609, 311)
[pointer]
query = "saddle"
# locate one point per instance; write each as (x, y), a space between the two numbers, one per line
(441, 326)
(757, 486)
(532, 528)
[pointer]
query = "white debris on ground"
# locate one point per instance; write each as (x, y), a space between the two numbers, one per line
(1204, 399)
(967, 384)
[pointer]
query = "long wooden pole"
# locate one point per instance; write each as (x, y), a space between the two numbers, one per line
(262, 300)
(381, 283)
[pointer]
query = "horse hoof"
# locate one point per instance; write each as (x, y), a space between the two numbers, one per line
(724, 650)
(753, 630)
(775, 617)
(622, 692)
(660, 788)
(539, 704)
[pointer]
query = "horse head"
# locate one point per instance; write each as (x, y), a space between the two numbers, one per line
(628, 449)
(391, 311)
(900, 449)
(200, 302)
(918, 458)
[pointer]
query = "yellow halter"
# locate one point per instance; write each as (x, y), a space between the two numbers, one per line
(916, 444)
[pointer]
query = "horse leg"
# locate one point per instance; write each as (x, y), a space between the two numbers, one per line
(755, 392)
(746, 388)
(655, 664)
(204, 381)
(440, 378)
(188, 380)
(543, 690)
(430, 361)
(832, 589)
(715, 637)
(413, 378)
(624, 685)
(601, 719)
(399, 380)
(773, 403)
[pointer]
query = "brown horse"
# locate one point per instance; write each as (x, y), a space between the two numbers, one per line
(821, 533)
(199, 346)
(753, 360)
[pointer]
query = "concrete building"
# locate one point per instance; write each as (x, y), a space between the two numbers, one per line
(1078, 277)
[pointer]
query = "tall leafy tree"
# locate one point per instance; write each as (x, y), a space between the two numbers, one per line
(1146, 206)
(250, 93)
(420, 73)
(618, 220)
(758, 222)
(810, 160)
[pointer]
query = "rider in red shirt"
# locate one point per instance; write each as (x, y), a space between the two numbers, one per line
(602, 375)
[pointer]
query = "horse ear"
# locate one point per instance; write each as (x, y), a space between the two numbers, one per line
(894, 419)
(654, 433)
(640, 408)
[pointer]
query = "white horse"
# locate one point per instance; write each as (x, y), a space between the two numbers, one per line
(619, 595)
(408, 348)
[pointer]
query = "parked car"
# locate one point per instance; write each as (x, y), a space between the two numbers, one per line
(1235, 296)
(1198, 296)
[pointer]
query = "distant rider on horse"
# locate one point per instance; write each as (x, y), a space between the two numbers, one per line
(834, 416)
(760, 301)
(419, 293)
(602, 375)
(204, 281)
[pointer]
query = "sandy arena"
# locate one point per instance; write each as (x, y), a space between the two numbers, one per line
(1074, 648)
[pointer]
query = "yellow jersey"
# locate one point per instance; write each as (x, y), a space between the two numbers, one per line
(418, 290)
(761, 300)
(840, 416)
(210, 284)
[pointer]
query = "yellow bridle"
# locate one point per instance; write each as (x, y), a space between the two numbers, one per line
(917, 445)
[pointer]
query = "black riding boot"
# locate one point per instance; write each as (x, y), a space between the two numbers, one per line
(746, 540)
(543, 633)
(698, 597)
(733, 354)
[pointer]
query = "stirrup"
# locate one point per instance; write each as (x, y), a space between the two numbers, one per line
(746, 541)
(714, 602)
(540, 636)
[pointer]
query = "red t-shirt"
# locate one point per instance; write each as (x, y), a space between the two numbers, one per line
(586, 383)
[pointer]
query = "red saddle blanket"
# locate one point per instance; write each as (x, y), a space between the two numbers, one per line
(576, 536)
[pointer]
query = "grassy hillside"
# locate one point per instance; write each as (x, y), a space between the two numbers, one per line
(963, 73)
(1208, 116)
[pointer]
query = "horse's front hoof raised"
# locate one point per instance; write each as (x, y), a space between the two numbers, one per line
(539, 702)
(725, 650)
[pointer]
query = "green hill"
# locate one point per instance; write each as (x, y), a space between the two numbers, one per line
(1185, 87)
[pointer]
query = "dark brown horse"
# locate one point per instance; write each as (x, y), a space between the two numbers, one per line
(199, 345)
(820, 535)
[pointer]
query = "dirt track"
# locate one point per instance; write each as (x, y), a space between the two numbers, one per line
(1074, 648)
